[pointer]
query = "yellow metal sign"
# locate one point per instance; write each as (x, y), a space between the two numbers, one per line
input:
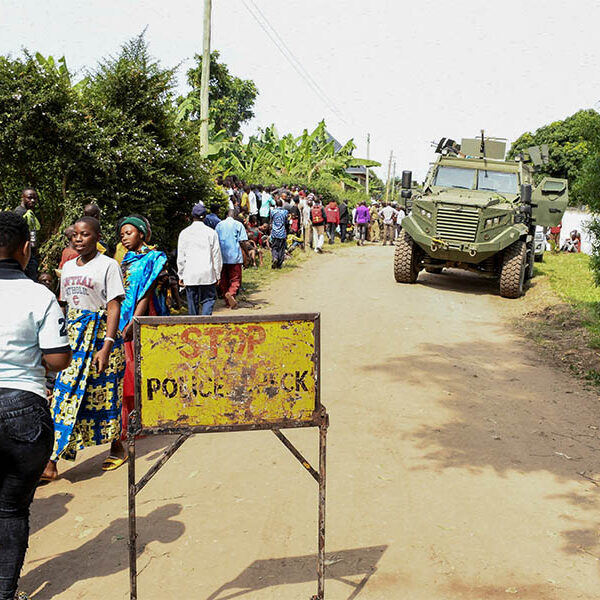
(203, 372)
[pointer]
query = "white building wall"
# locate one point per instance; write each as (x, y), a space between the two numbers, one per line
(575, 218)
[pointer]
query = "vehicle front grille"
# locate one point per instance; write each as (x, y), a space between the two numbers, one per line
(454, 224)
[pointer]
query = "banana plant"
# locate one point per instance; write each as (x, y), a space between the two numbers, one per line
(307, 156)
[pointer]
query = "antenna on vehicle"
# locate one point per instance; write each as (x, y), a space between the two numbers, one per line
(482, 150)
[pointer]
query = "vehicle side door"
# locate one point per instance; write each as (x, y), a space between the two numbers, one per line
(549, 201)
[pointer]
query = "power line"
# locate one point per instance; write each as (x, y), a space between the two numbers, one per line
(290, 59)
(294, 62)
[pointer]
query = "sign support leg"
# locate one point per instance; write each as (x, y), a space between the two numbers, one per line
(322, 481)
(131, 501)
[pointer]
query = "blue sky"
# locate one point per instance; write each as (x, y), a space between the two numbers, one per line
(407, 72)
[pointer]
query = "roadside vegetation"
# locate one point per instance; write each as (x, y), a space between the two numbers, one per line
(565, 314)
(571, 279)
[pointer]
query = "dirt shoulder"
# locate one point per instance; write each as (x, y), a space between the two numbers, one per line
(559, 330)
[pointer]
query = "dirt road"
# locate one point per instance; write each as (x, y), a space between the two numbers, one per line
(453, 464)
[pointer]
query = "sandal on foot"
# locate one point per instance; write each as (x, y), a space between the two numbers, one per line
(46, 480)
(113, 462)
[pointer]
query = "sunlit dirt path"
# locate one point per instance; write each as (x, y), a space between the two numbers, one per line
(457, 467)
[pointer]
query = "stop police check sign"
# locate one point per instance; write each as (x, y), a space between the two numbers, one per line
(208, 374)
(227, 372)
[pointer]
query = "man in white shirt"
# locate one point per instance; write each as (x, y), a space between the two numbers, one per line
(399, 218)
(33, 335)
(252, 203)
(199, 263)
(306, 222)
(388, 214)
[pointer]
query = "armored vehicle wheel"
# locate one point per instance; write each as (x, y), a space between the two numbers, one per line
(512, 274)
(435, 270)
(407, 256)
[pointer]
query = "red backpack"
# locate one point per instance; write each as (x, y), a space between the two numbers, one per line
(316, 213)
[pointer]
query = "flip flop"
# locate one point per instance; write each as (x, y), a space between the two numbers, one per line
(113, 462)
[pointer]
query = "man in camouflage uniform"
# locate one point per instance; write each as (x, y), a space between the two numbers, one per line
(375, 226)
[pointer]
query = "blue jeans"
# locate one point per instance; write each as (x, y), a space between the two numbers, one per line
(200, 295)
(26, 440)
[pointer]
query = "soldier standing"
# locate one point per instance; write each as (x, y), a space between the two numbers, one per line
(375, 229)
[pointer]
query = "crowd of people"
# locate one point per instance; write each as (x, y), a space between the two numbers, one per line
(66, 358)
(307, 219)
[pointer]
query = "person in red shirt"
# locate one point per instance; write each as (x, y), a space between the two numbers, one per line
(255, 236)
(69, 252)
(555, 237)
(318, 219)
(332, 213)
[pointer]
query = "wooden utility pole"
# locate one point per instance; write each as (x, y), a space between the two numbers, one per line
(368, 158)
(387, 185)
(205, 77)
(393, 181)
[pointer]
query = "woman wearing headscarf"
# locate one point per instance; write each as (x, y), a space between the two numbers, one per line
(142, 267)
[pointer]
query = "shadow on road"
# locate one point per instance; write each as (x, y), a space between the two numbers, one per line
(47, 510)
(92, 467)
(455, 280)
(102, 555)
(504, 415)
(261, 574)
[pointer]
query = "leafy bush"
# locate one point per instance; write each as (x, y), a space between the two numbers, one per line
(112, 138)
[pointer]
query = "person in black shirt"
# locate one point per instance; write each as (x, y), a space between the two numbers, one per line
(343, 208)
(29, 199)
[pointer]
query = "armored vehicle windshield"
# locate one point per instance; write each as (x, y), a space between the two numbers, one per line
(476, 179)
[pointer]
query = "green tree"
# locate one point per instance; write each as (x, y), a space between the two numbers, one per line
(575, 154)
(113, 138)
(41, 134)
(570, 143)
(231, 98)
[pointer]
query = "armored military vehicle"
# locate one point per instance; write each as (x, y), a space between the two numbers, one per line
(478, 212)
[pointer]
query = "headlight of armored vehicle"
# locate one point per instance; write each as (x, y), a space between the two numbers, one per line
(425, 213)
(493, 221)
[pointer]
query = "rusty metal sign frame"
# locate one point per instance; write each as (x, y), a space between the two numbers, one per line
(319, 419)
